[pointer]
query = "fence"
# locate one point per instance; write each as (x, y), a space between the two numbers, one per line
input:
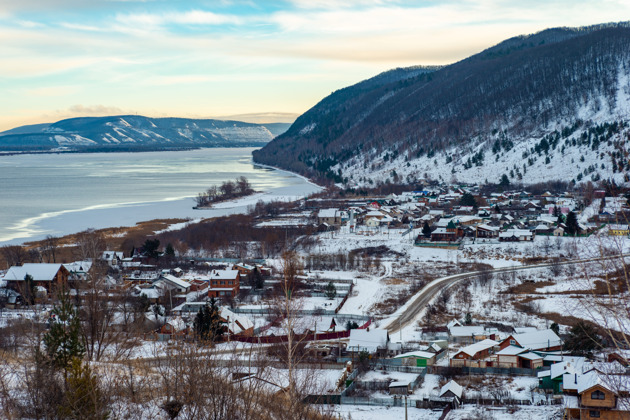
(275, 339)
(345, 298)
(448, 370)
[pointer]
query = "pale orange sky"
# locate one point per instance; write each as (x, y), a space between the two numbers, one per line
(205, 58)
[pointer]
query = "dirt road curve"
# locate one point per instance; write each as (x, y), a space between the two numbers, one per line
(420, 300)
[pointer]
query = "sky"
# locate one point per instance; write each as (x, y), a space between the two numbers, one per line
(259, 61)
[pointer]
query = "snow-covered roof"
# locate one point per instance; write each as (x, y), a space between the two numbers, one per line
(224, 274)
(466, 331)
(150, 293)
(78, 266)
(511, 351)
(538, 339)
(589, 380)
(515, 232)
(488, 227)
(178, 282)
(109, 255)
(523, 330)
(452, 386)
(39, 272)
(418, 354)
(177, 323)
(329, 213)
(480, 346)
(367, 340)
(236, 323)
(530, 356)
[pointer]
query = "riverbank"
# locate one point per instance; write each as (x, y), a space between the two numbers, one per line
(112, 190)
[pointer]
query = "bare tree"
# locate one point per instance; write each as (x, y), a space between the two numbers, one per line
(49, 249)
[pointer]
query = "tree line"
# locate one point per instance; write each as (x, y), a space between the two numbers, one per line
(228, 190)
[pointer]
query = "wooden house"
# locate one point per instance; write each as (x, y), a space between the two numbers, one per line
(48, 276)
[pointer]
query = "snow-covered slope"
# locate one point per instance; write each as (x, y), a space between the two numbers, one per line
(135, 132)
(548, 106)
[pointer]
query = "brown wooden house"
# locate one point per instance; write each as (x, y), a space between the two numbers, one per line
(48, 276)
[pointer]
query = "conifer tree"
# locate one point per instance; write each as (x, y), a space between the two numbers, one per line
(331, 290)
(63, 342)
(208, 325)
(426, 230)
(572, 224)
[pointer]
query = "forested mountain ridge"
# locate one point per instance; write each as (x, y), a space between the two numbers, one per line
(133, 132)
(552, 105)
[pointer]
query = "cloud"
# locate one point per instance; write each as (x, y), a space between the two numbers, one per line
(192, 17)
(92, 110)
(262, 117)
(52, 90)
(336, 4)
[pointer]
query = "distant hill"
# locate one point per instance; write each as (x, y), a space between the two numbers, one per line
(133, 132)
(551, 105)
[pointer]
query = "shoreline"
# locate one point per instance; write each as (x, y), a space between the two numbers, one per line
(127, 216)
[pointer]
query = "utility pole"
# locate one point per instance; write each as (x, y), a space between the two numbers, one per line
(405, 407)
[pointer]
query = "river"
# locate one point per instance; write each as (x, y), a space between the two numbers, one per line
(59, 194)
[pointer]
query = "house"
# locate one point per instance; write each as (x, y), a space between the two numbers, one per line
(470, 334)
(236, 324)
(563, 370)
(450, 233)
(244, 269)
(329, 216)
(559, 231)
(487, 231)
(597, 398)
(173, 284)
(367, 340)
(44, 275)
(417, 358)
(618, 230)
(452, 390)
(174, 326)
(516, 235)
(113, 258)
(541, 340)
(78, 270)
(224, 283)
(476, 351)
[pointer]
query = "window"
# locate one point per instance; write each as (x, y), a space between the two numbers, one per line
(513, 342)
(594, 414)
(598, 395)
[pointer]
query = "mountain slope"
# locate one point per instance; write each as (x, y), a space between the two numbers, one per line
(478, 118)
(132, 132)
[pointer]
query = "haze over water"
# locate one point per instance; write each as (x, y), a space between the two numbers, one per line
(58, 194)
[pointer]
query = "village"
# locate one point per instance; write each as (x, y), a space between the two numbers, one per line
(444, 303)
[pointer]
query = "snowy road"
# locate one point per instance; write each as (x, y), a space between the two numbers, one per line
(410, 311)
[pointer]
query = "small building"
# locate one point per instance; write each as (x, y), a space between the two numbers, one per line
(452, 390)
(113, 258)
(470, 333)
(542, 340)
(516, 235)
(476, 351)
(329, 216)
(44, 275)
(400, 388)
(370, 341)
(618, 230)
(417, 358)
(487, 231)
(224, 283)
(596, 398)
(173, 284)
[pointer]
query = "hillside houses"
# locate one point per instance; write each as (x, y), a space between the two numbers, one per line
(516, 216)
